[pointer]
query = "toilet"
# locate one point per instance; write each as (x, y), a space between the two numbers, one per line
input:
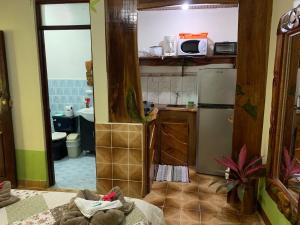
(62, 126)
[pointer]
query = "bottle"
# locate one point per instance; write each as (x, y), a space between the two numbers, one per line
(87, 102)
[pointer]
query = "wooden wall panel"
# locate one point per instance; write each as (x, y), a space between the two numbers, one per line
(252, 67)
(125, 95)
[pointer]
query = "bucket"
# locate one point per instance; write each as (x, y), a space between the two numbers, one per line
(73, 145)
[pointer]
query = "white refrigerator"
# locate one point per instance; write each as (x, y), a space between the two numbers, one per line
(216, 99)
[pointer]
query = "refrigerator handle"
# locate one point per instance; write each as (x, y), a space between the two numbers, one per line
(230, 119)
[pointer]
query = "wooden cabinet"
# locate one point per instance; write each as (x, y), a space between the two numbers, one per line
(177, 137)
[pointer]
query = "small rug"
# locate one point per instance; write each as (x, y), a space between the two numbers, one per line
(173, 173)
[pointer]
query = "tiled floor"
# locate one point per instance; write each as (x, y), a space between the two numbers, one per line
(77, 173)
(196, 203)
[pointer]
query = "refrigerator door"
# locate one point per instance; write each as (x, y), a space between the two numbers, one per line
(217, 86)
(214, 140)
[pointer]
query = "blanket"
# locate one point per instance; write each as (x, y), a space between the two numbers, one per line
(46, 207)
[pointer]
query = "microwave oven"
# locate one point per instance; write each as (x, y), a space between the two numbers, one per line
(192, 46)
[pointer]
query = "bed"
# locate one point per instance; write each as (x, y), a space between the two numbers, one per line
(42, 207)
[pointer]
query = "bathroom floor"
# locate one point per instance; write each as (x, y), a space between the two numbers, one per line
(196, 203)
(77, 173)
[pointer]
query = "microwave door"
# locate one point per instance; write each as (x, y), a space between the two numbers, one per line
(193, 47)
(190, 46)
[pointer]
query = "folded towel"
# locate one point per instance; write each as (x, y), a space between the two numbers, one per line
(88, 208)
(73, 215)
(11, 200)
(110, 217)
(5, 194)
(6, 187)
(5, 197)
(127, 206)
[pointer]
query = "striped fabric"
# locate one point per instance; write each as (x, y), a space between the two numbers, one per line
(173, 173)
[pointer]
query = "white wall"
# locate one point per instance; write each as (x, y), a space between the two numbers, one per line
(99, 57)
(17, 20)
(221, 24)
(66, 53)
(296, 3)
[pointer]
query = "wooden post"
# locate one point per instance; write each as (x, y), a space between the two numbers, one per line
(124, 82)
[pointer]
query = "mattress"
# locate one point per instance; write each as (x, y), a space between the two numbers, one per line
(40, 207)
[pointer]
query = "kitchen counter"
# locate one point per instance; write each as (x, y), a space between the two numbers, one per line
(181, 108)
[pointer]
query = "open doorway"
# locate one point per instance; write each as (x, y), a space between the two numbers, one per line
(187, 56)
(67, 83)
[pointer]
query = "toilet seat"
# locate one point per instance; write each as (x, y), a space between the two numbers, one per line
(56, 136)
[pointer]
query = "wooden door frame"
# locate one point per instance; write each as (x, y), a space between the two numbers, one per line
(252, 63)
(44, 75)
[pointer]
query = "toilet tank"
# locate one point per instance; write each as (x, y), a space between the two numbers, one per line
(65, 124)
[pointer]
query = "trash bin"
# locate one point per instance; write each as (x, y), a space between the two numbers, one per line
(73, 145)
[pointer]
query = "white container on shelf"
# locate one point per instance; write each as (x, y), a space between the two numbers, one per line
(156, 51)
(73, 145)
(170, 46)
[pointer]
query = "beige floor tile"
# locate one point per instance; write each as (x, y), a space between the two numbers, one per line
(159, 185)
(172, 213)
(196, 203)
(170, 221)
(190, 215)
(175, 186)
(192, 187)
(155, 199)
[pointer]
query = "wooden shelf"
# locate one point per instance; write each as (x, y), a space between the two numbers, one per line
(187, 60)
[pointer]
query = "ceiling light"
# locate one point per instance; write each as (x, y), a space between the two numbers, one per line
(185, 6)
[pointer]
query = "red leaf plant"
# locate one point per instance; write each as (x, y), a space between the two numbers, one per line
(290, 169)
(239, 174)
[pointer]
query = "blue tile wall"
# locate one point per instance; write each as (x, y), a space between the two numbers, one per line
(67, 92)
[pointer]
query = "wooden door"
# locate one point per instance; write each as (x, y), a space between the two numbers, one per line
(7, 148)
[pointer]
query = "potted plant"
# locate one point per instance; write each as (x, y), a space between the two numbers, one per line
(241, 177)
(290, 170)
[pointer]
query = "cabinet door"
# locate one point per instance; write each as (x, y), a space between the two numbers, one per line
(174, 139)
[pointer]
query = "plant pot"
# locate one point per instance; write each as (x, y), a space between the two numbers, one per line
(232, 198)
(248, 205)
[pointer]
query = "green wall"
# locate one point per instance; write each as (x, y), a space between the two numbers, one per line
(31, 165)
(270, 207)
